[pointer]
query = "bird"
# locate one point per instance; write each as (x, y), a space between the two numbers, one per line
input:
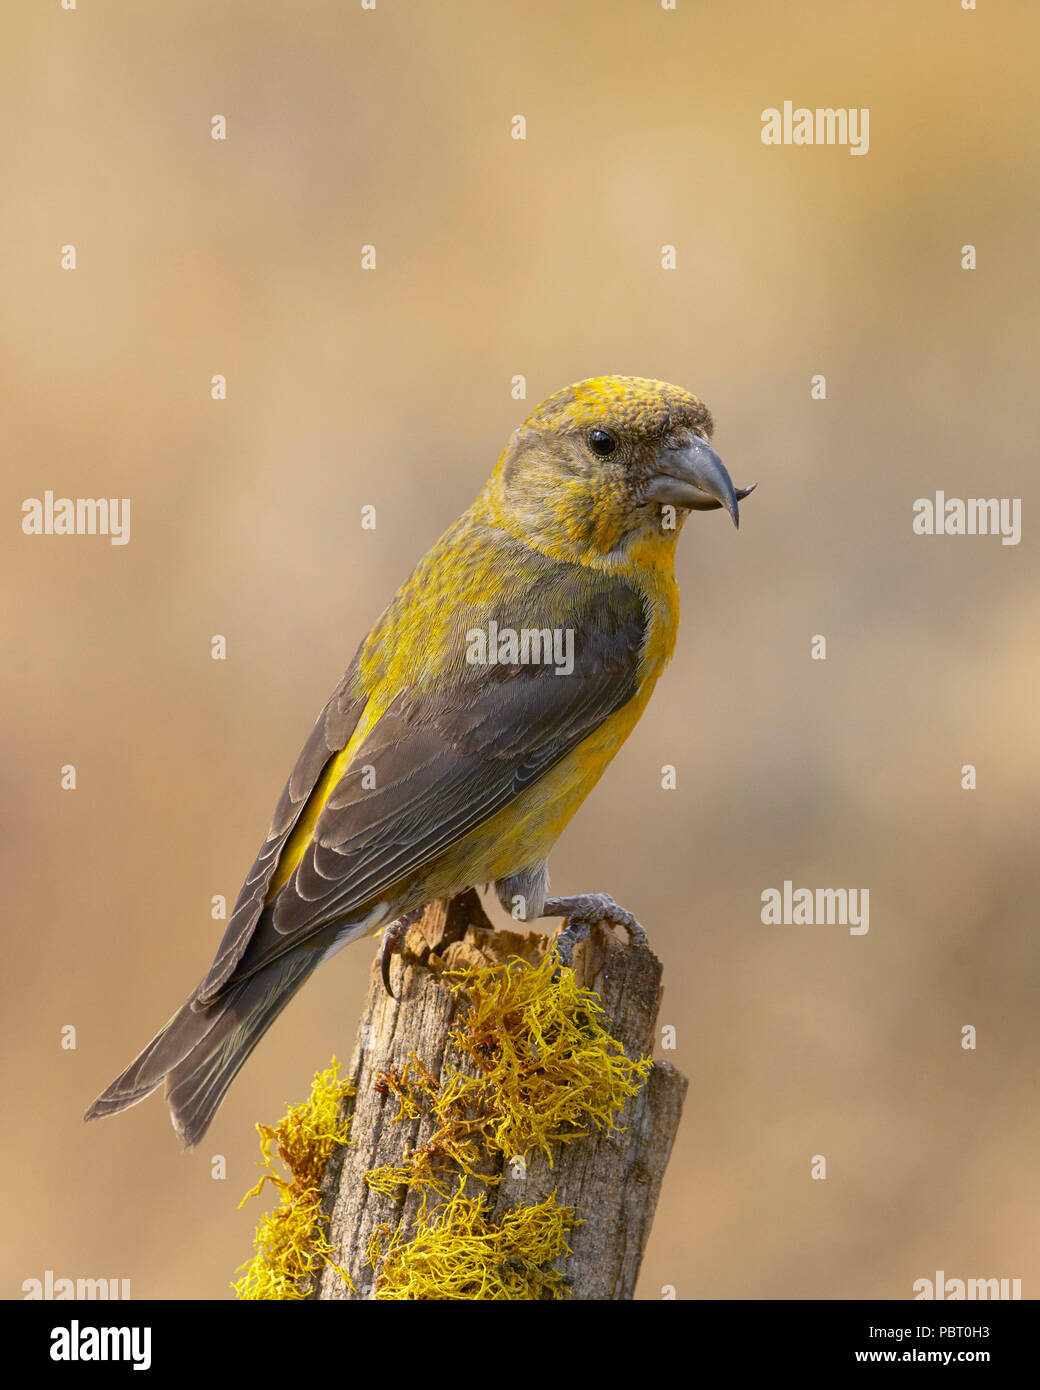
(471, 724)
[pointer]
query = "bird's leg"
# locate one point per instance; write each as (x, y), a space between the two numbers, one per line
(584, 909)
(393, 943)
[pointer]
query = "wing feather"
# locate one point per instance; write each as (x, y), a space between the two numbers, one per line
(445, 761)
(329, 736)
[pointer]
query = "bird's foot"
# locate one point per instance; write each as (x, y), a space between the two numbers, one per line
(393, 944)
(581, 912)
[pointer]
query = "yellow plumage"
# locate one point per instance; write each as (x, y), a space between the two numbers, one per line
(429, 772)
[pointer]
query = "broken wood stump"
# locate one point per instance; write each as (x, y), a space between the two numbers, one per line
(606, 1179)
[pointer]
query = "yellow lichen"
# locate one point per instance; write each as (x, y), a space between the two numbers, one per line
(547, 1069)
(406, 1087)
(416, 1171)
(290, 1242)
(458, 1254)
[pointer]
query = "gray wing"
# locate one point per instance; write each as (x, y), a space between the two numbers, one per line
(445, 762)
(330, 735)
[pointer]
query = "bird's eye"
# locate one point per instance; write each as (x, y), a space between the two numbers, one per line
(602, 443)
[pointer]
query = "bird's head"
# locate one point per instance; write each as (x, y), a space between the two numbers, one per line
(607, 463)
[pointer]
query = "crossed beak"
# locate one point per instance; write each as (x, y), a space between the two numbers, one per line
(695, 477)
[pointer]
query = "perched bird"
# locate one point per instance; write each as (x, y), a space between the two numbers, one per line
(473, 721)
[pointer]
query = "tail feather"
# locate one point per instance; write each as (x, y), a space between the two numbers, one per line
(197, 1085)
(200, 1052)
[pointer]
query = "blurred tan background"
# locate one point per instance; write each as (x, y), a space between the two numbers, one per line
(392, 388)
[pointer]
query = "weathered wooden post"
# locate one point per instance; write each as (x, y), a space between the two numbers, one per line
(395, 1221)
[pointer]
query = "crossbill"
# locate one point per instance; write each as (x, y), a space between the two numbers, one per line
(473, 721)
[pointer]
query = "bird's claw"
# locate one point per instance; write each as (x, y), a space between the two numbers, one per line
(393, 944)
(581, 912)
(577, 929)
